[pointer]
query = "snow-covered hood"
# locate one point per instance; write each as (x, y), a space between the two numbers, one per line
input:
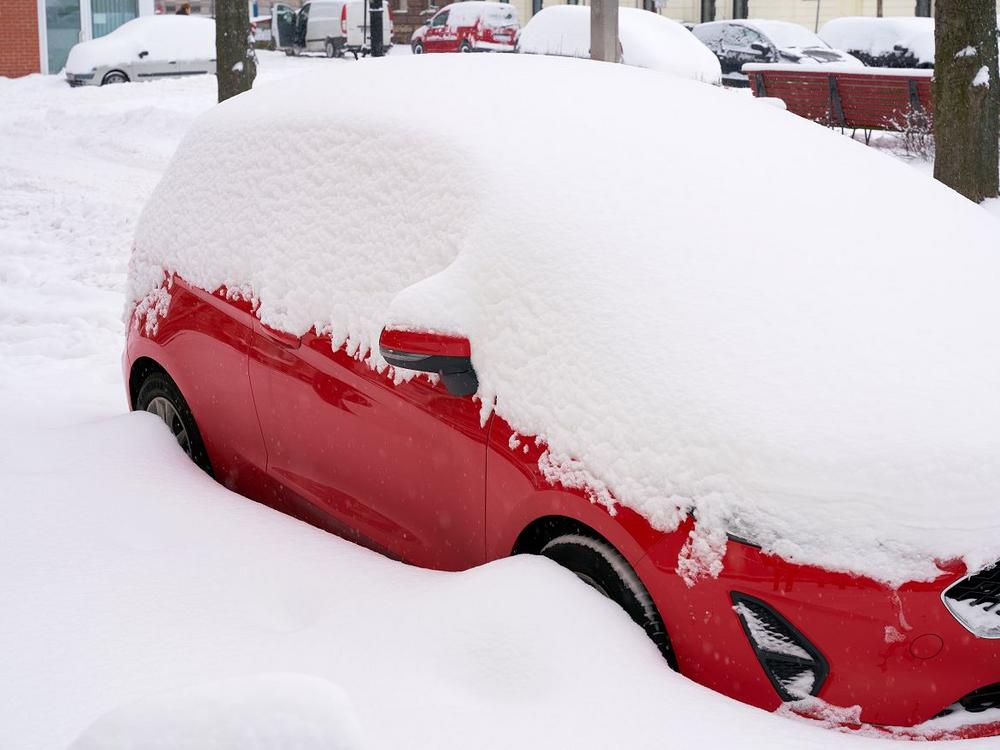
(827, 388)
(817, 55)
(162, 37)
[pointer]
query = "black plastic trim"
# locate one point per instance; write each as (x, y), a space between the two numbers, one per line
(456, 372)
(818, 665)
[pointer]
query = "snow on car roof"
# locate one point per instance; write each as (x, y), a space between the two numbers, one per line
(814, 368)
(880, 36)
(648, 40)
(163, 37)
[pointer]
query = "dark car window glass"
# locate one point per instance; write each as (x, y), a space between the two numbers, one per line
(710, 36)
(741, 37)
(440, 19)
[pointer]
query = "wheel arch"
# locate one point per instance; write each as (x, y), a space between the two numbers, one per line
(542, 530)
(141, 369)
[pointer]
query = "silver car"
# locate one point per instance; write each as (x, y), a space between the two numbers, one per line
(143, 49)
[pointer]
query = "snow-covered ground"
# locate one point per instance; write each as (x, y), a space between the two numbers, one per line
(135, 589)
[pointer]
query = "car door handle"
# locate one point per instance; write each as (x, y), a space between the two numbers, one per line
(281, 338)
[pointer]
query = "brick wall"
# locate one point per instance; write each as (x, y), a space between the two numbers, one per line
(18, 37)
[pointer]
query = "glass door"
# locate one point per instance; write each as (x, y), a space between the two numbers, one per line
(108, 15)
(62, 24)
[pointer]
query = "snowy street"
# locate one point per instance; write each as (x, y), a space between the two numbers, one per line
(137, 593)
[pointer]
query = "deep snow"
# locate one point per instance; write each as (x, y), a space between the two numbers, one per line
(133, 588)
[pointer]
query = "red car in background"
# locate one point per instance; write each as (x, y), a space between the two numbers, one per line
(468, 27)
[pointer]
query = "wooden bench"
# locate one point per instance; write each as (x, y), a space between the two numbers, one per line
(864, 99)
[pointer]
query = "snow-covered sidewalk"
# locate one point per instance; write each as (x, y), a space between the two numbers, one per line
(127, 576)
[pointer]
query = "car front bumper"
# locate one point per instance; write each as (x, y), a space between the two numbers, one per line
(898, 655)
(80, 79)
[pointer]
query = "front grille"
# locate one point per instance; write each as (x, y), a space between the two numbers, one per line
(975, 602)
(982, 699)
(793, 665)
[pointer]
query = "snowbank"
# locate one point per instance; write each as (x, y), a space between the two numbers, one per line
(166, 37)
(876, 40)
(648, 40)
(824, 386)
(262, 712)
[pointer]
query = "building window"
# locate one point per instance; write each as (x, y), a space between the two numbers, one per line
(740, 9)
(707, 10)
(923, 8)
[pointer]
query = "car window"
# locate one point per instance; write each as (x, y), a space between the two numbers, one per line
(710, 36)
(440, 19)
(741, 37)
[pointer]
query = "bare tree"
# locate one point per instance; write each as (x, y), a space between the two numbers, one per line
(235, 58)
(967, 97)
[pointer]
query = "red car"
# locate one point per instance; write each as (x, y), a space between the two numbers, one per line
(308, 423)
(468, 27)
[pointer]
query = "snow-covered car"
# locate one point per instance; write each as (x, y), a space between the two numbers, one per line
(470, 26)
(144, 49)
(646, 40)
(739, 42)
(884, 42)
(773, 440)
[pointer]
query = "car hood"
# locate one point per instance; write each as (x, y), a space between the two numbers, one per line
(817, 55)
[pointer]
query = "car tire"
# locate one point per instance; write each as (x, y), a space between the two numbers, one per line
(330, 48)
(598, 564)
(464, 46)
(159, 395)
(114, 76)
(418, 48)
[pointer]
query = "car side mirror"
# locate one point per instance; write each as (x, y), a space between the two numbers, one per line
(760, 49)
(447, 356)
(143, 54)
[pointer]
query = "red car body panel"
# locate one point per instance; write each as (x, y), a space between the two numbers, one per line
(412, 471)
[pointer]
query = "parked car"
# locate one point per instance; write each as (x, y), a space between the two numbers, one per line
(332, 27)
(472, 26)
(144, 49)
(773, 441)
(884, 42)
(646, 40)
(738, 42)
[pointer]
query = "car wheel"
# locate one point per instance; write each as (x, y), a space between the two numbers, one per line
(464, 46)
(160, 396)
(114, 76)
(331, 51)
(418, 48)
(601, 566)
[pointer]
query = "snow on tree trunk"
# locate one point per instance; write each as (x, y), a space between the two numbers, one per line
(236, 61)
(967, 97)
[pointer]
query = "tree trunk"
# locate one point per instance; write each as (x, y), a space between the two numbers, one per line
(967, 97)
(235, 58)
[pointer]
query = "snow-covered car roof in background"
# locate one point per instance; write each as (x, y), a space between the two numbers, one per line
(468, 12)
(648, 40)
(165, 37)
(815, 370)
(783, 33)
(879, 36)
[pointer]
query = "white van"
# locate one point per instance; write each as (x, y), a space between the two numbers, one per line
(327, 26)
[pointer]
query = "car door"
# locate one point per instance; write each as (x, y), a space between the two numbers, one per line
(283, 25)
(434, 38)
(742, 45)
(398, 468)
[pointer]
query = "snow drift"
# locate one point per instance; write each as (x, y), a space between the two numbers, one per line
(648, 40)
(818, 373)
